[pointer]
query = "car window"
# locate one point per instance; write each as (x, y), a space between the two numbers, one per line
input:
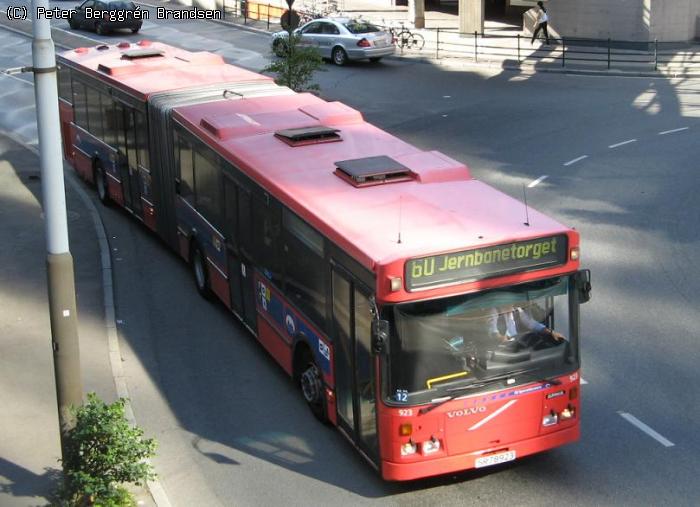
(329, 29)
(88, 3)
(361, 27)
(127, 6)
(312, 28)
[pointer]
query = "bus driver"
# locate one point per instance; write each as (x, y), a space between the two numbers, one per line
(509, 322)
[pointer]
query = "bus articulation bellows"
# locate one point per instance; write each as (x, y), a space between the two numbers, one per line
(408, 300)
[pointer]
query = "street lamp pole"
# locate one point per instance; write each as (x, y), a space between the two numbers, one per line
(59, 262)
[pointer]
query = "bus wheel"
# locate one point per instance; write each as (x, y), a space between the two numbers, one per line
(312, 387)
(100, 178)
(199, 269)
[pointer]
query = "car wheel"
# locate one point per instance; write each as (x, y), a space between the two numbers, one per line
(199, 270)
(312, 387)
(100, 178)
(135, 30)
(280, 48)
(72, 23)
(339, 56)
(100, 28)
(375, 59)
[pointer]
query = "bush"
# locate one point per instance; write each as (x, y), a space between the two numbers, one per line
(102, 452)
(296, 65)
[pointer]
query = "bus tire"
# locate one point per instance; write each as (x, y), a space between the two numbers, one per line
(311, 383)
(199, 270)
(99, 176)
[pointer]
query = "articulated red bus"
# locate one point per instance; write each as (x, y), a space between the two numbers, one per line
(411, 303)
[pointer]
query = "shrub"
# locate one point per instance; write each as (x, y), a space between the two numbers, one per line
(102, 452)
(296, 65)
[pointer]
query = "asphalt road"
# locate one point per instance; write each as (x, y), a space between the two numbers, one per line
(608, 159)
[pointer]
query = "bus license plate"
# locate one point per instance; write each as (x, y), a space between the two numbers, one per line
(494, 459)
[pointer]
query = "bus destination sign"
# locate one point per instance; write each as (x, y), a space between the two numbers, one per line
(487, 262)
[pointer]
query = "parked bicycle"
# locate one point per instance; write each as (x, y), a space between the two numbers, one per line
(405, 38)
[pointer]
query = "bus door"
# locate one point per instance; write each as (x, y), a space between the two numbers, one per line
(238, 237)
(354, 363)
(128, 170)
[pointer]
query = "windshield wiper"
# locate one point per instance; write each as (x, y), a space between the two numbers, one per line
(482, 383)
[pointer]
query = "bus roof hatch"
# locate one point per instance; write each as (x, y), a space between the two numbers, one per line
(363, 172)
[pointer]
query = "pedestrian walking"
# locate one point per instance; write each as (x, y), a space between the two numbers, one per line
(542, 19)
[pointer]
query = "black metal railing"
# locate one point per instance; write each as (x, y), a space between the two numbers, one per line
(565, 51)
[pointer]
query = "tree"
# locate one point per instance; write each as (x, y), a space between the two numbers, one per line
(102, 452)
(296, 65)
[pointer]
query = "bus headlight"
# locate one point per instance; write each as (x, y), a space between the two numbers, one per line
(408, 448)
(567, 413)
(430, 446)
(550, 419)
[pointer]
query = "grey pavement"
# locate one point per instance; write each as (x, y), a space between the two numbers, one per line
(29, 447)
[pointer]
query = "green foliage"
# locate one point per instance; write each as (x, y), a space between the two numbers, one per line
(101, 452)
(296, 65)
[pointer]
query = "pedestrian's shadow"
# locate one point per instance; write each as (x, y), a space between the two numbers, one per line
(19, 482)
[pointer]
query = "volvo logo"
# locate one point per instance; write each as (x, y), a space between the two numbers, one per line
(466, 411)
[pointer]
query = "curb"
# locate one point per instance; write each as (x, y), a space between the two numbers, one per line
(154, 487)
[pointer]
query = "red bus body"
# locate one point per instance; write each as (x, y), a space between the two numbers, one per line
(436, 207)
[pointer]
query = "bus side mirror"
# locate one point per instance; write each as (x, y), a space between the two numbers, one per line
(583, 285)
(380, 336)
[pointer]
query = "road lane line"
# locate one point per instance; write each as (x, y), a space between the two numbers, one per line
(2, 74)
(575, 160)
(622, 143)
(537, 181)
(672, 131)
(646, 429)
(583, 382)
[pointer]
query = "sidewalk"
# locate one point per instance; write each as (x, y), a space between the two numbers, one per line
(29, 447)
(503, 43)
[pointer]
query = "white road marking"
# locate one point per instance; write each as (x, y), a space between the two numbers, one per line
(672, 131)
(575, 160)
(537, 181)
(584, 382)
(72, 32)
(622, 143)
(487, 419)
(646, 429)
(16, 78)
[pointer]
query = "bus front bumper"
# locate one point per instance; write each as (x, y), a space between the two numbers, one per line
(392, 471)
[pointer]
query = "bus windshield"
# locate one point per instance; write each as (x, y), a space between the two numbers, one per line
(439, 346)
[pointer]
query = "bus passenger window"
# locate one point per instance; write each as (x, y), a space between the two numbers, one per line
(267, 244)
(206, 185)
(244, 233)
(130, 130)
(305, 268)
(94, 109)
(80, 104)
(64, 88)
(109, 120)
(142, 139)
(230, 211)
(183, 149)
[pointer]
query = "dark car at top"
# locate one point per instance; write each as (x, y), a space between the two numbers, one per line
(104, 16)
